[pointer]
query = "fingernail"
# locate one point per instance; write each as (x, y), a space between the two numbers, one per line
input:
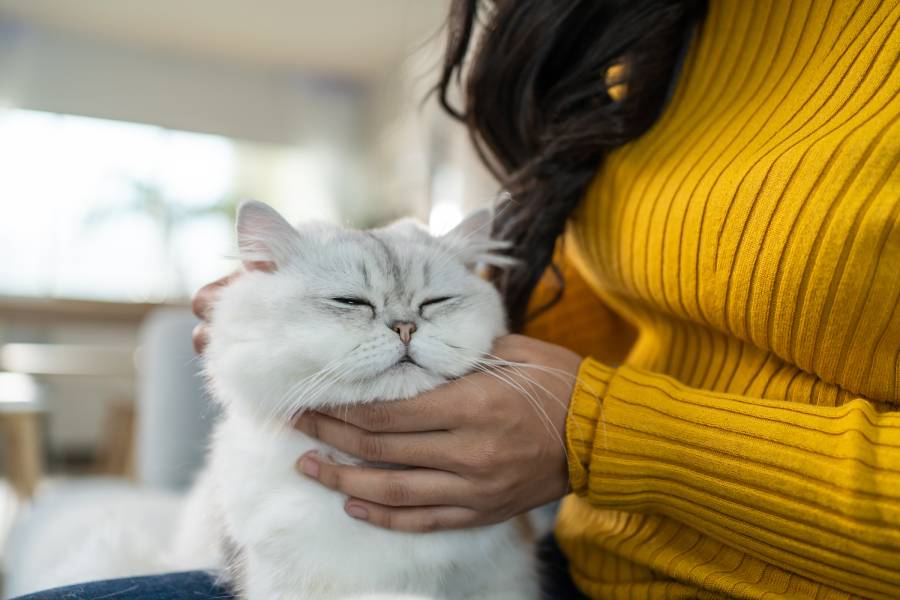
(309, 465)
(357, 512)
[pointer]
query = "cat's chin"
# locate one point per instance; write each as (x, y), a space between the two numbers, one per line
(403, 380)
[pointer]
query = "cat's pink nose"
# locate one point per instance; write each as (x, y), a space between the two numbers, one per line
(404, 329)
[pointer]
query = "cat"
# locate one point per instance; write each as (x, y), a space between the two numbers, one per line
(324, 317)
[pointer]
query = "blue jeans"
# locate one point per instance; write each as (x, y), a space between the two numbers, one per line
(200, 586)
(192, 585)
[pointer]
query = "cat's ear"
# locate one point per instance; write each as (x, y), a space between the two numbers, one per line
(266, 241)
(473, 243)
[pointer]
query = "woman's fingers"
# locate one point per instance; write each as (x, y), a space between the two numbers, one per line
(199, 338)
(205, 296)
(201, 305)
(414, 520)
(431, 449)
(389, 487)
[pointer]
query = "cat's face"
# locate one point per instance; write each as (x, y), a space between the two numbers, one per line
(328, 316)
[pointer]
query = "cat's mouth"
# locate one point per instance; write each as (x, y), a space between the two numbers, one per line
(407, 360)
(405, 363)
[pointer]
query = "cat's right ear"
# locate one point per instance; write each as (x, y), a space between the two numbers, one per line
(266, 241)
(473, 243)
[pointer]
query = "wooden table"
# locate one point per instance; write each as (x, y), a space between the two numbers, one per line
(21, 409)
(20, 414)
(21, 419)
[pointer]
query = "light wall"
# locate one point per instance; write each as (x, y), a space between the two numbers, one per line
(391, 143)
(419, 155)
(59, 72)
(54, 71)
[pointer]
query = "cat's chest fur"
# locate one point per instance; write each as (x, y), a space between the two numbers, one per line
(293, 534)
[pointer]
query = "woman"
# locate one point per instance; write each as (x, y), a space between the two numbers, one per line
(729, 191)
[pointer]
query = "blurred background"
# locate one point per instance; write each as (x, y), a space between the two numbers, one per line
(129, 130)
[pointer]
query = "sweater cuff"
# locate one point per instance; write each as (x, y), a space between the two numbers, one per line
(585, 409)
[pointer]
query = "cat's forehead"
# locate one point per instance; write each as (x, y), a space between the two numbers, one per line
(404, 259)
(391, 258)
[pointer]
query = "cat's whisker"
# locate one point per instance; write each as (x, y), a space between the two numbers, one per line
(532, 401)
(510, 381)
(289, 398)
(548, 394)
(310, 386)
(306, 379)
(491, 368)
(496, 361)
(310, 394)
(561, 374)
(515, 367)
(552, 371)
(468, 381)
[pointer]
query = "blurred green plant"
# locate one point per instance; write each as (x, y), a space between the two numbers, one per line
(168, 213)
(147, 198)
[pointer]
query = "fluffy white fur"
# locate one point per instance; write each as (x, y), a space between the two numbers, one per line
(99, 530)
(283, 339)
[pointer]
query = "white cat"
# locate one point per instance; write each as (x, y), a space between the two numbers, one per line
(319, 319)
(323, 317)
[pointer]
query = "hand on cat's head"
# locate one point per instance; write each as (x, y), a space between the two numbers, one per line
(201, 304)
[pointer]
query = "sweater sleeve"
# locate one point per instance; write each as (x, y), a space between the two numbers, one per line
(815, 489)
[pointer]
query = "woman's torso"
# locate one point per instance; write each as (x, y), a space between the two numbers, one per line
(752, 236)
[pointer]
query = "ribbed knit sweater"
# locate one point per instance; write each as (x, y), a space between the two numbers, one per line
(747, 444)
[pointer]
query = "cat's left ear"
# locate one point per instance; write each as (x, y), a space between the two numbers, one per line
(472, 241)
(265, 240)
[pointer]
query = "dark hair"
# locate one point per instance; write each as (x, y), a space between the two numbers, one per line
(538, 109)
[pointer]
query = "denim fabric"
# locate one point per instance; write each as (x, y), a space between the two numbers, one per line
(193, 585)
(202, 586)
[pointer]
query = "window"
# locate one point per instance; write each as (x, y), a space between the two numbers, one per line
(108, 210)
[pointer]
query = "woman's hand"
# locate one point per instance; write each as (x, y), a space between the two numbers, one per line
(480, 449)
(202, 302)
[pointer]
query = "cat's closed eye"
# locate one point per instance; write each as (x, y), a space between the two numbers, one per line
(353, 302)
(433, 301)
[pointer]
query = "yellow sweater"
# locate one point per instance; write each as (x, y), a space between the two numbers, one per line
(749, 443)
